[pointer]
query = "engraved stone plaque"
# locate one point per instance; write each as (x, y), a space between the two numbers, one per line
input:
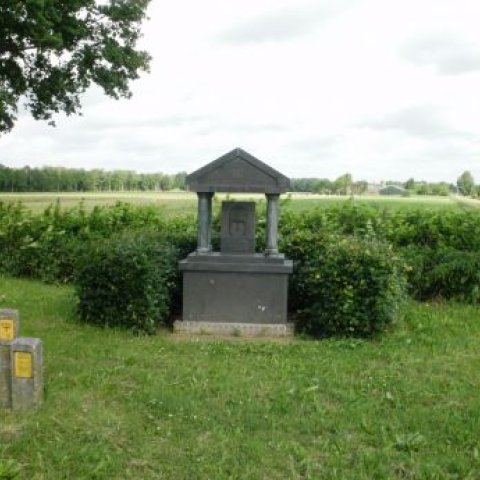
(238, 227)
(9, 325)
(23, 365)
(7, 329)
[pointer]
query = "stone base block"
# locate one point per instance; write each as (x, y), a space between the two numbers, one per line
(235, 289)
(234, 329)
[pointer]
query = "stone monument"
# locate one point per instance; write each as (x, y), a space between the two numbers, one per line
(236, 289)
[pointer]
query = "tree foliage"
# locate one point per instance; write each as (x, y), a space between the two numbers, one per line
(51, 51)
(343, 185)
(59, 179)
(466, 183)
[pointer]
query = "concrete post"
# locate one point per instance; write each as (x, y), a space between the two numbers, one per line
(5, 376)
(9, 328)
(271, 230)
(204, 222)
(27, 378)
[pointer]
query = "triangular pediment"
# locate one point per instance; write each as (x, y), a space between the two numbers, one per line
(237, 171)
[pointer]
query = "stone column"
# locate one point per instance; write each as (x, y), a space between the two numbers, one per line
(204, 222)
(209, 237)
(271, 231)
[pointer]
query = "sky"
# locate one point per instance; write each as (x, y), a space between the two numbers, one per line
(382, 89)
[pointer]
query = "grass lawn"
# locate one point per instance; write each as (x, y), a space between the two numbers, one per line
(405, 406)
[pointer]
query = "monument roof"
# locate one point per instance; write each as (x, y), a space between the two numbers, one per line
(237, 171)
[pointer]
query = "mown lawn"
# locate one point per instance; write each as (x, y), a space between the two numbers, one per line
(405, 406)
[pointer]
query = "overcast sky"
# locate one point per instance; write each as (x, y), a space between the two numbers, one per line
(383, 89)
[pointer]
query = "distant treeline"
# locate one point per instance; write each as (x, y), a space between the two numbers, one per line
(59, 179)
(343, 185)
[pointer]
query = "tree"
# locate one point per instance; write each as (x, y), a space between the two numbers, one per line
(359, 187)
(51, 51)
(466, 183)
(343, 184)
(409, 184)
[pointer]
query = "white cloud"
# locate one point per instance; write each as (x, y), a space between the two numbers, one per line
(379, 88)
(424, 122)
(282, 24)
(449, 55)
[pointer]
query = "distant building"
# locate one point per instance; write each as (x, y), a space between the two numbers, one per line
(392, 190)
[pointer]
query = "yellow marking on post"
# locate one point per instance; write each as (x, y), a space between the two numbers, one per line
(23, 365)
(7, 329)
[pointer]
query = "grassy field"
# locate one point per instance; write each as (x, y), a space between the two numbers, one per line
(404, 406)
(171, 202)
(174, 203)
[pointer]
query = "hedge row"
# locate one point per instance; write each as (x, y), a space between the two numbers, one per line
(350, 261)
(440, 248)
(47, 246)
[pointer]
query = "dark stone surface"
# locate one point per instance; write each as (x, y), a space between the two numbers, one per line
(217, 257)
(256, 263)
(235, 297)
(245, 289)
(237, 234)
(238, 171)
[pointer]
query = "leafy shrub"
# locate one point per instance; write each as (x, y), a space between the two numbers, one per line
(441, 247)
(181, 233)
(345, 285)
(456, 274)
(433, 228)
(127, 281)
(46, 245)
(443, 272)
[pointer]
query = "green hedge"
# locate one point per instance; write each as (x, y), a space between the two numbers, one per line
(459, 229)
(127, 281)
(443, 272)
(441, 248)
(46, 245)
(345, 285)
